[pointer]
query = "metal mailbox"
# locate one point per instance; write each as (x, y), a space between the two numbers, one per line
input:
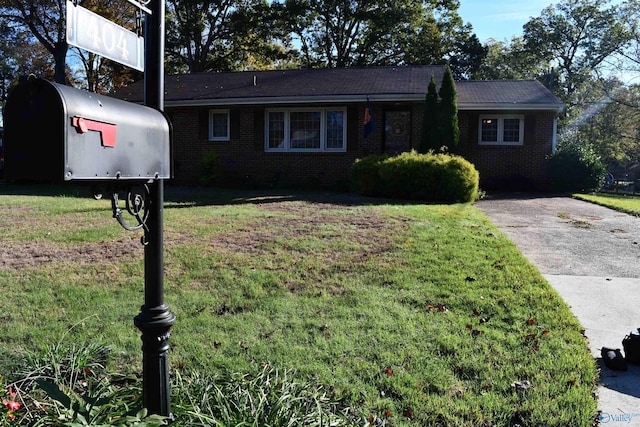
(55, 132)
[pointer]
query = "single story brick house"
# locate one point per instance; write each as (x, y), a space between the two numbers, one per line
(304, 127)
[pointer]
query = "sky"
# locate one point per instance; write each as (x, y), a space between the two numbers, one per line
(499, 19)
(503, 19)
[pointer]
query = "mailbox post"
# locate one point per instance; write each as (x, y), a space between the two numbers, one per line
(155, 320)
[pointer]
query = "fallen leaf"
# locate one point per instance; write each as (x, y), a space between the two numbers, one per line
(469, 327)
(458, 390)
(408, 412)
(476, 312)
(532, 321)
(387, 413)
(521, 385)
(389, 371)
(545, 332)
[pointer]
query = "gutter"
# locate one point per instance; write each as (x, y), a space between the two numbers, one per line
(341, 99)
(324, 99)
(511, 106)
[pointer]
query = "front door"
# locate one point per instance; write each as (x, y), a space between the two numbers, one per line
(397, 132)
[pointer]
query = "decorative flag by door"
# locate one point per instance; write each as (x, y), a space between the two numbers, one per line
(369, 124)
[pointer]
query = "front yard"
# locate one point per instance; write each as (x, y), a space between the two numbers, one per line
(412, 314)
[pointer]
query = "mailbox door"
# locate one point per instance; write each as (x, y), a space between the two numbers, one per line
(34, 133)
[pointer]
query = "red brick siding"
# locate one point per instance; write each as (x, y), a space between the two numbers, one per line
(509, 167)
(243, 160)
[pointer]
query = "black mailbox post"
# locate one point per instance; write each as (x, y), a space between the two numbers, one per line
(56, 132)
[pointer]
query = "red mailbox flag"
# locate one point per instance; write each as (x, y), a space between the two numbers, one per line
(107, 130)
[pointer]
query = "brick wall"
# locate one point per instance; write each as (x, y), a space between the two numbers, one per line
(242, 161)
(510, 167)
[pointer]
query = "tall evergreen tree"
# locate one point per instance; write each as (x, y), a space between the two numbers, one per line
(449, 111)
(430, 136)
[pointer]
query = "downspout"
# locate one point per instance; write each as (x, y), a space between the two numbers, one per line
(554, 141)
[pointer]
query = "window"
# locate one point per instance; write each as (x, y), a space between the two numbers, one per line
(302, 130)
(501, 130)
(219, 125)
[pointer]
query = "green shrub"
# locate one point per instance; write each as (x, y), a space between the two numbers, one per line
(365, 175)
(430, 177)
(209, 168)
(576, 166)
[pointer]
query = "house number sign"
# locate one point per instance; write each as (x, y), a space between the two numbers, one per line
(96, 34)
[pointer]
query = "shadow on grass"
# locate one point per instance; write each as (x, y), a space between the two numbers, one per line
(177, 197)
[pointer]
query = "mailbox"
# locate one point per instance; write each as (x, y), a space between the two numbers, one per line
(55, 132)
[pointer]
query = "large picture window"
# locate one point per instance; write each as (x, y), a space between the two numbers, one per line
(501, 130)
(219, 125)
(300, 130)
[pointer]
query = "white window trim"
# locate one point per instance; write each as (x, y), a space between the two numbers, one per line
(323, 131)
(219, 138)
(500, 118)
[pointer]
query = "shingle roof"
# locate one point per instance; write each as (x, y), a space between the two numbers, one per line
(299, 83)
(341, 85)
(500, 94)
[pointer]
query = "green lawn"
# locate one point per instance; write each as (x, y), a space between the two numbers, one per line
(421, 315)
(621, 202)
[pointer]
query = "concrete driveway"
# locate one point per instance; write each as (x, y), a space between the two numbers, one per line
(591, 256)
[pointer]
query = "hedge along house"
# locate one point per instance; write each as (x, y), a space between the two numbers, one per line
(305, 127)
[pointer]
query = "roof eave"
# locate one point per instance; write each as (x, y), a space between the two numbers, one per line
(311, 99)
(489, 106)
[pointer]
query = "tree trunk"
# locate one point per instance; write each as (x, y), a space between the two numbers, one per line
(60, 58)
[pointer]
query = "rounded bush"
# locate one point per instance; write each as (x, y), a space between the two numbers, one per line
(365, 176)
(576, 167)
(429, 177)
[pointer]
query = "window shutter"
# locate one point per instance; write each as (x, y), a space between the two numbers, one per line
(203, 123)
(474, 124)
(234, 124)
(258, 129)
(353, 133)
(529, 128)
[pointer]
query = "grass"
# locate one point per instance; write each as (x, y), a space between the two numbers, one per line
(414, 314)
(620, 202)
